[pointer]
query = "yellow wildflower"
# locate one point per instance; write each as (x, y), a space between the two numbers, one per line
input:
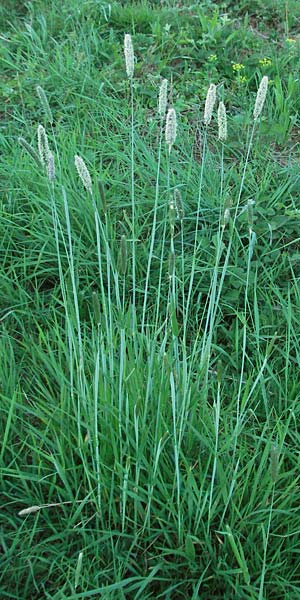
(237, 67)
(265, 62)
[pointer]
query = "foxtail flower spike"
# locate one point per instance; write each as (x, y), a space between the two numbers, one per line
(162, 98)
(222, 122)
(209, 103)
(171, 127)
(43, 145)
(260, 97)
(51, 167)
(83, 173)
(129, 55)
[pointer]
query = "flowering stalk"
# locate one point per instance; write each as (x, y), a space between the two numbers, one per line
(48, 114)
(163, 98)
(162, 105)
(83, 173)
(222, 134)
(259, 102)
(260, 97)
(222, 122)
(129, 55)
(43, 146)
(170, 137)
(209, 103)
(171, 128)
(129, 64)
(51, 167)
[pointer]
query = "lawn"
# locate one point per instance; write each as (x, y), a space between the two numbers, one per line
(150, 300)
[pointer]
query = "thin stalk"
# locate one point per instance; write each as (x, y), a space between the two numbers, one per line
(176, 450)
(81, 372)
(103, 294)
(158, 307)
(222, 178)
(70, 332)
(174, 306)
(244, 341)
(196, 235)
(152, 241)
(74, 287)
(133, 228)
(110, 319)
(158, 295)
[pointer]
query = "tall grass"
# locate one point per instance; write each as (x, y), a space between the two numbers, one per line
(141, 467)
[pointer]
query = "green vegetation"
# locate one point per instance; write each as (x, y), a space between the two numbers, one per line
(150, 315)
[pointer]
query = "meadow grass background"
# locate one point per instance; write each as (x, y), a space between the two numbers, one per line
(170, 453)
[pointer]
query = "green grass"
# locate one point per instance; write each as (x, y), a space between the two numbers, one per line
(158, 437)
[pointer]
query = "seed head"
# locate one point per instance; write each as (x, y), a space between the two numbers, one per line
(43, 145)
(209, 103)
(226, 217)
(178, 204)
(83, 173)
(162, 98)
(33, 153)
(222, 122)
(260, 97)
(197, 148)
(129, 55)
(51, 167)
(28, 511)
(171, 127)
(44, 102)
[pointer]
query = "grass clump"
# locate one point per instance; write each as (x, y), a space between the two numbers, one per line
(149, 309)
